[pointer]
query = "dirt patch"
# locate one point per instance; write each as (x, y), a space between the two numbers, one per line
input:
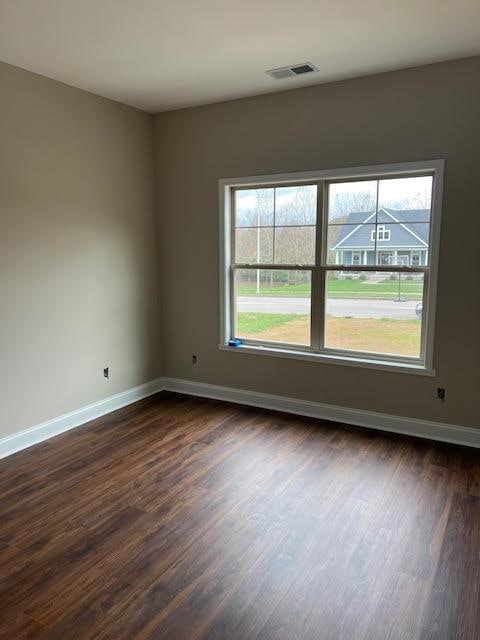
(395, 337)
(293, 332)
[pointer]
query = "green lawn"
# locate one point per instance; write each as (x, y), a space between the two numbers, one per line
(295, 290)
(364, 289)
(386, 289)
(248, 323)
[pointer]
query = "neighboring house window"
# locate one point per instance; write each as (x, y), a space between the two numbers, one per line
(415, 258)
(302, 273)
(381, 233)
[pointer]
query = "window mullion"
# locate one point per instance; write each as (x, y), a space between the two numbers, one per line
(317, 316)
(375, 248)
(425, 315)
(233, 303)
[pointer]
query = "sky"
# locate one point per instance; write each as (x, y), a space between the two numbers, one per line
(389, 190)
(247, 199)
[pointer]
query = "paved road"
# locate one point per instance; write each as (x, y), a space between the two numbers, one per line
(335, 306)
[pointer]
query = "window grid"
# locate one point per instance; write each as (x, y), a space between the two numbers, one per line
(274, 227)
(321, 266)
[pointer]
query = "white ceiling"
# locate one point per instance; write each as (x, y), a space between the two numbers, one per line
(165, 54)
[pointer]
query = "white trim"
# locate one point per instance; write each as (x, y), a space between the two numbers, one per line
(384, 422)
(334, 174)
(28, 437)
(430, 290)
(410, 426)
(346, 358)
(405, 226)
(224, 260)
(405, 247)
(433, 260)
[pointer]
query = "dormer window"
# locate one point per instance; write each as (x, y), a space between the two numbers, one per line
(381, 232)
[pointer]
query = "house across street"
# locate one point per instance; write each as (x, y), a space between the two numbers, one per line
(400, 238)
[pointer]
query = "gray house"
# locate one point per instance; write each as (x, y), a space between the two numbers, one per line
(400, 238)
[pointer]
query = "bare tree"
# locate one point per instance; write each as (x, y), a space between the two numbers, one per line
(419, 200)
(346, 202)
(282, 229)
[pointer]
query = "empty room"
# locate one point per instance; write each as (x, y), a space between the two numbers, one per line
(239, 320)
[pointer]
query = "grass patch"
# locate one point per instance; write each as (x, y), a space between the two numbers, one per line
(301, 290)
(254, 323)
(382, 335)
(384, 290)
(376, 335)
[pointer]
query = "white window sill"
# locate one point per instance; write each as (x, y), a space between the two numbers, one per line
(323, 358)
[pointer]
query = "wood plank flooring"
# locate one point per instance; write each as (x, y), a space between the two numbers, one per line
(185, 518)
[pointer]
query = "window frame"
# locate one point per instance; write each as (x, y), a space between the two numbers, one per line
(317, 351)
(381, 230)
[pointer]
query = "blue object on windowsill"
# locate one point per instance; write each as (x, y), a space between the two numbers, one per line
(234, 342)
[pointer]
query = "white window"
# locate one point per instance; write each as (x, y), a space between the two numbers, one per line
(380, 233)
(284, 290)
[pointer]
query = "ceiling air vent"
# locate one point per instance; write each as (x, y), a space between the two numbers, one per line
(290, 72)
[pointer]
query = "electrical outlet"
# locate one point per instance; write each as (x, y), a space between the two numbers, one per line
(106, 372)
(440, 393)
(194, 359)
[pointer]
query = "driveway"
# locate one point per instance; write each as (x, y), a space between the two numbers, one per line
(340, 307)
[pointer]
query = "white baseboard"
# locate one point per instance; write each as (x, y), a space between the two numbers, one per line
(384, 422)
(34, 435)
(409, 426)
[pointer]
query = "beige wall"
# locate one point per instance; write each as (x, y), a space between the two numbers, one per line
(78, 255)
(79, 249)
(417, 114)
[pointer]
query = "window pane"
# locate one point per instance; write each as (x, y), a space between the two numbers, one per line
(295, 205)
(273, 305)
(409, 197)
(254, 207)
(254, 245)
(401, 232)
(374, 312)
(295, 245)
(351, 244)
(348, 202)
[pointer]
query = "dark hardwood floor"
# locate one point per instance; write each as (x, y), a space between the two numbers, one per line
(183, 518)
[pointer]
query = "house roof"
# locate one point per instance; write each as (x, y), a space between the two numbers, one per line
(408, 228)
